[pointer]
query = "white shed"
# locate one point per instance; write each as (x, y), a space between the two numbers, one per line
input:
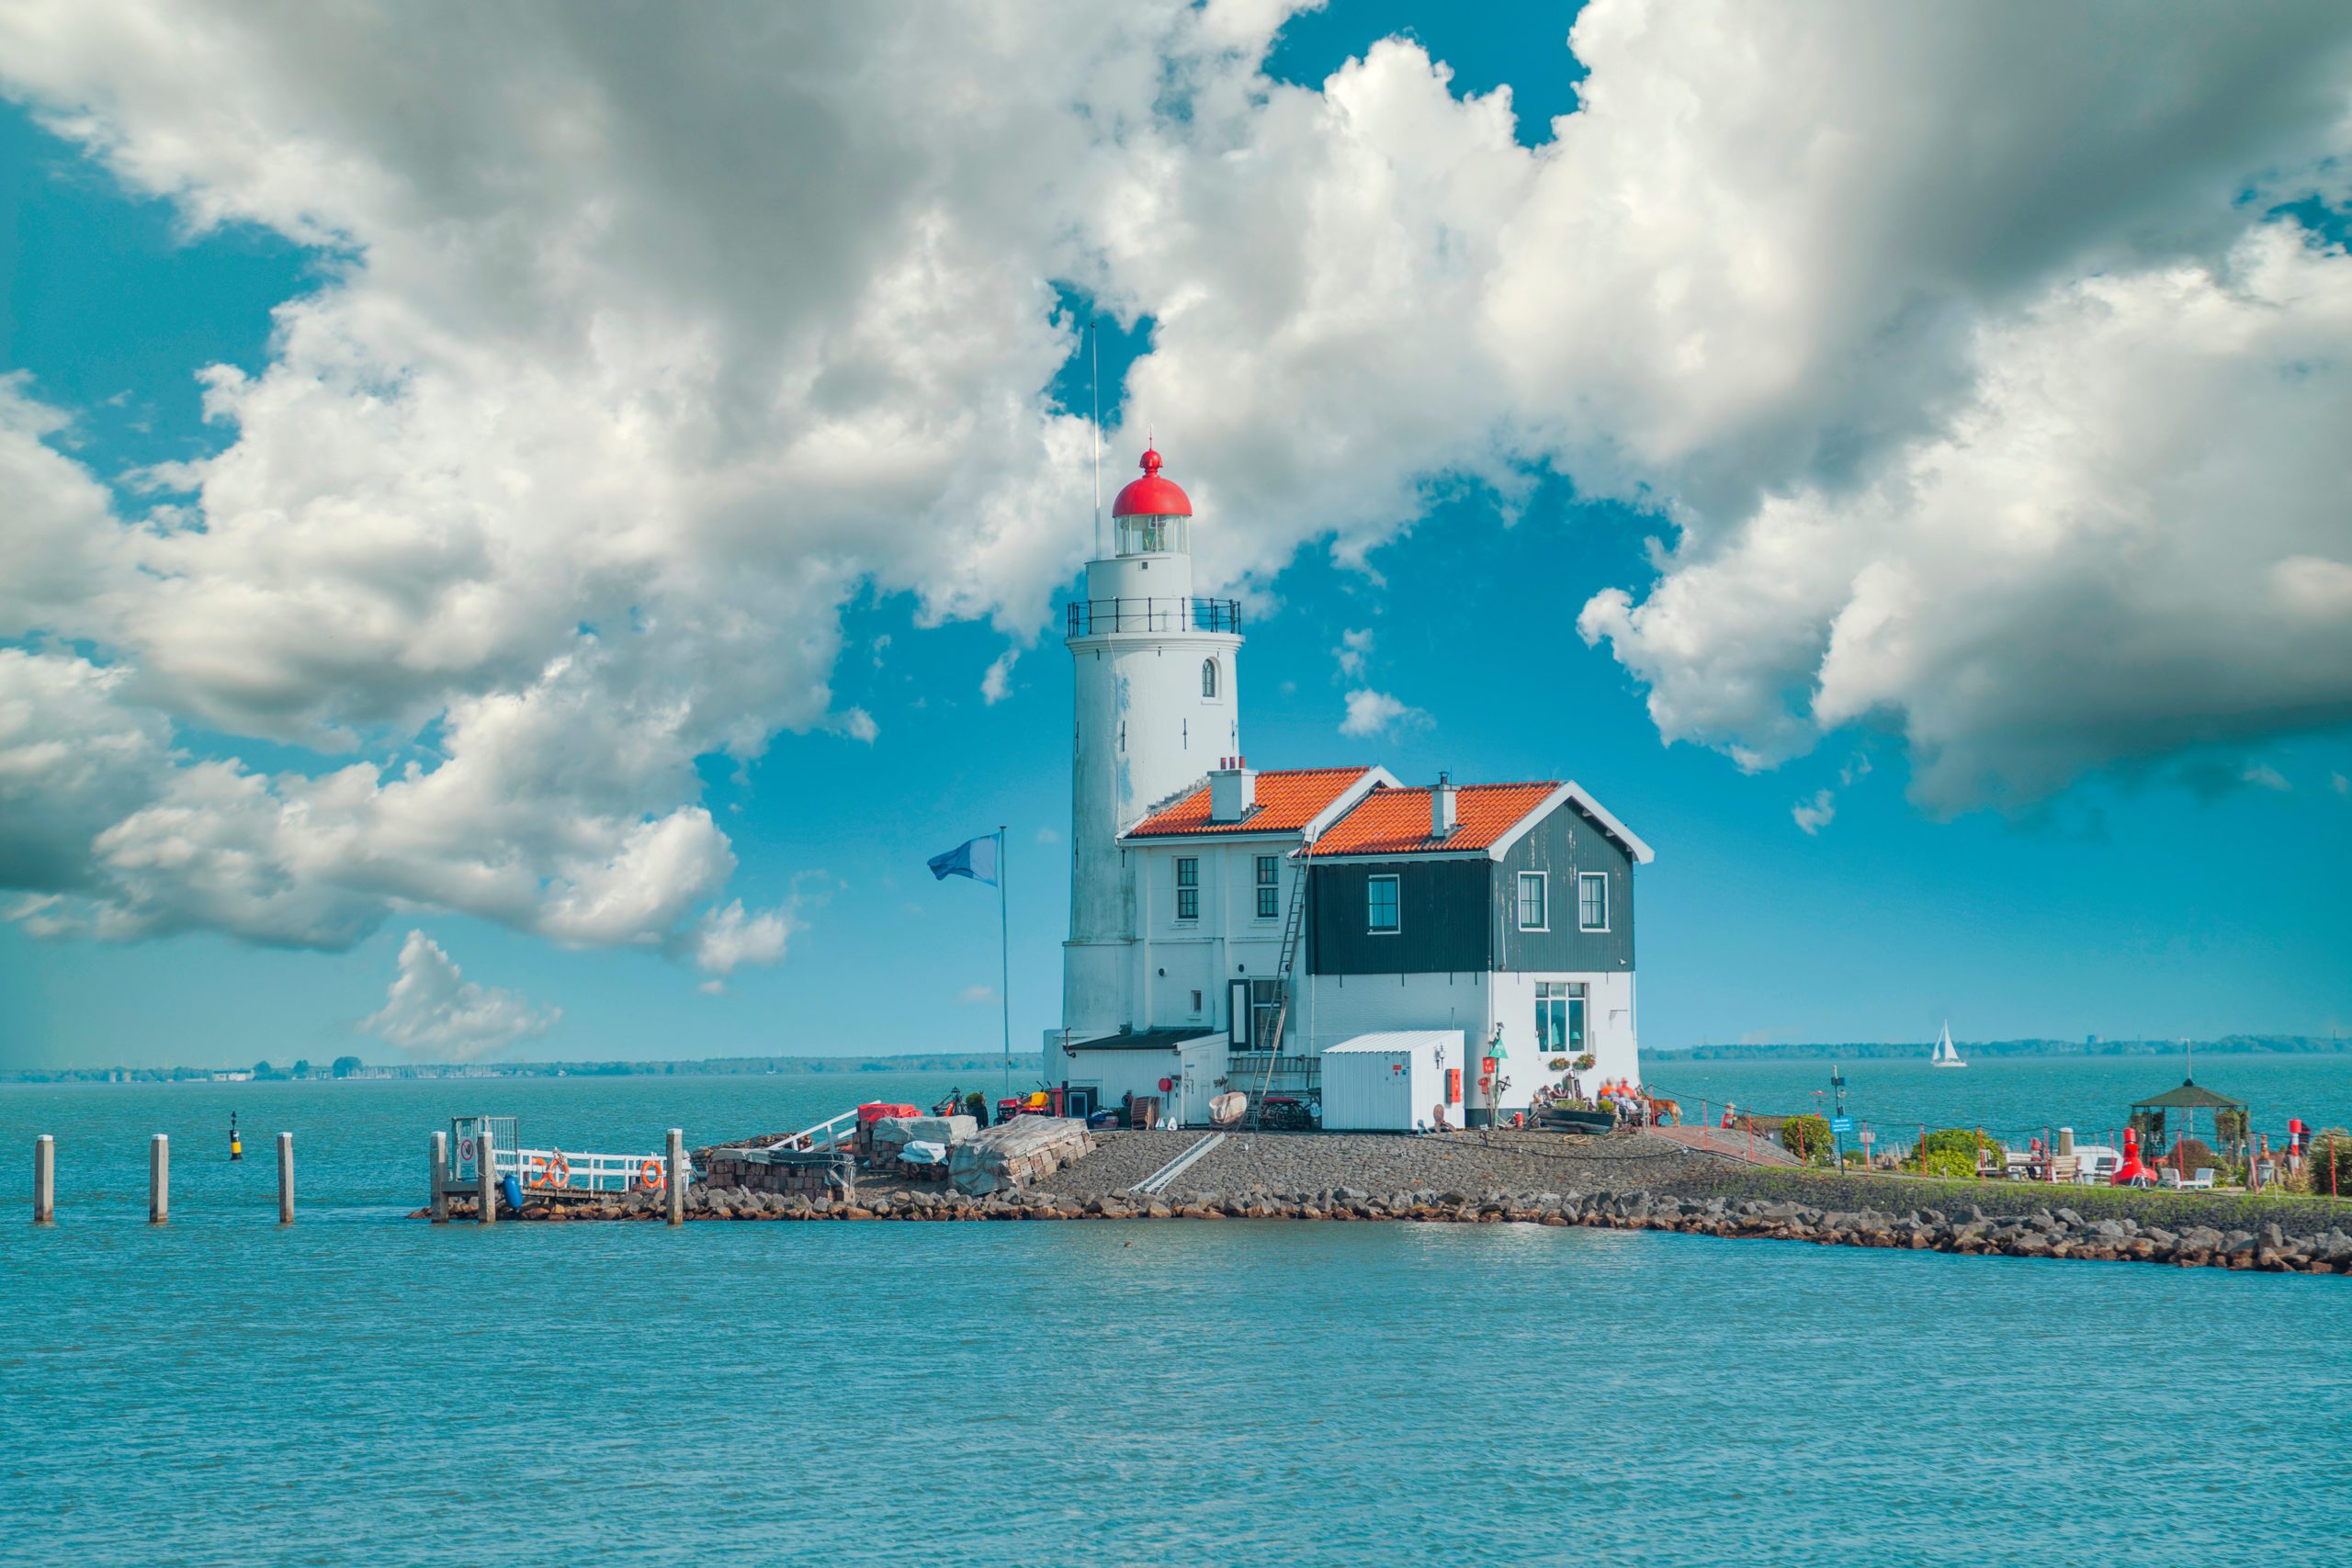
(1390, 1082)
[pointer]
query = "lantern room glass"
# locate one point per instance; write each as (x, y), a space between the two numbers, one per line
(1155, 535)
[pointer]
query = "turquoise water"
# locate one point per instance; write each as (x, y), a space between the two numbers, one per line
(366, 1389)
(2017, 1098)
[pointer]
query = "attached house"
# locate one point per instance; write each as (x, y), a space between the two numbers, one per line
(1502, 911)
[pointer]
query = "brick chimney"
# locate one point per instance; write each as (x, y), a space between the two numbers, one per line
(1441, 808)
(1233, 790)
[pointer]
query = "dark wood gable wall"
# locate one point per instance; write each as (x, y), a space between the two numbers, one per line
(1562, 846)
(1457, 915)
(1441, 917)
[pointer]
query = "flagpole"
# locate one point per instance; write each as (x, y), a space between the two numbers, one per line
(1004, 954)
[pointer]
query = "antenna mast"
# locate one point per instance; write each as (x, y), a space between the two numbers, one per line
(1094, 382)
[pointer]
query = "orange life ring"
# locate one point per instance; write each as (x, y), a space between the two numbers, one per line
(559, 1171)
(651, 1177)
(537, 1174)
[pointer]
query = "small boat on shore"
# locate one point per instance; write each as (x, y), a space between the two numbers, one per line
(1944, 1054)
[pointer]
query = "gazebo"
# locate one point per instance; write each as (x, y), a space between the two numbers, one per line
(2154, 1115)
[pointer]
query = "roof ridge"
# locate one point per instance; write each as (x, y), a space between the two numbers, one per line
(1505, 784)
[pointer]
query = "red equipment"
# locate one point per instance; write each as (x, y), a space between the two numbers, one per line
(2130, 1172)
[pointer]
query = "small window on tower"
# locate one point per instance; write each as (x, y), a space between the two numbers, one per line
(1208, 677)
(1188, 889)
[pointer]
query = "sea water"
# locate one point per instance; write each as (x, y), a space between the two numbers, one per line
(2015, 1099)
(366, 1388)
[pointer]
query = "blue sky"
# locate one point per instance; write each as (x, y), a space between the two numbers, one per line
(2191, 885)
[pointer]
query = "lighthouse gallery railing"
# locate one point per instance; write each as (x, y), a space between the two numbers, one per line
(1090, 618)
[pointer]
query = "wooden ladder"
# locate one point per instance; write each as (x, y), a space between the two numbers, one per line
(1293, 927)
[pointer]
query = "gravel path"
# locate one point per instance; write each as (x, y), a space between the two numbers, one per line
(1120, 1160)
(1303, 1163)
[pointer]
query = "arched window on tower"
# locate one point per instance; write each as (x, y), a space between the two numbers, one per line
(1208, 677)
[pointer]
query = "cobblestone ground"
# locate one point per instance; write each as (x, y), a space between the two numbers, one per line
(1317, 1162)
(1120, 1160)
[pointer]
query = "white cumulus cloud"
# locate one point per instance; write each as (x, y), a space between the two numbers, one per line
(725, 940)
(1370, 712)
(1814, 814)
(1974, 397)
(433, 1013)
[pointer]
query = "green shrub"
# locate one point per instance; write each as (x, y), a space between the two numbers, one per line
(2329, 1169)
(1951, 1164)
(1958, 1141)
(1807, 1137)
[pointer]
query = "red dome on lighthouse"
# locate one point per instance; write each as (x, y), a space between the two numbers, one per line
(1151, 496)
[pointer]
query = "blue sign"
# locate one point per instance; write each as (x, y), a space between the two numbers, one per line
(1841, 1124)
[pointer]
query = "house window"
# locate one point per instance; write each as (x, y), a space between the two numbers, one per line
(1188, 889)
(1265, 1006)
(1197, 1004)
(1270, 886)
(1380, 903)
(1532, 916)
(1559, 1019)
(1592, 901)
(1208, 677)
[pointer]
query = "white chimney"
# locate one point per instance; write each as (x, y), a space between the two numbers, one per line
(1233, 791)
(1441, 808)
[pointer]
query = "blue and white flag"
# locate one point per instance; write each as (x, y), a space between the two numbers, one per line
(975, 858)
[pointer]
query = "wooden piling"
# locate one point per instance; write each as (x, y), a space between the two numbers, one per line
(44, 1180)
(440, 1179)
(486, 1173)
(676, 1184)
(159, 1178)
(285, 1178)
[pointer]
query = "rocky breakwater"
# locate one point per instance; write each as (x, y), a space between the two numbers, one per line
(2059, 1233)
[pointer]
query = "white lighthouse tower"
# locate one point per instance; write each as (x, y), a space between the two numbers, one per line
(1158, 688)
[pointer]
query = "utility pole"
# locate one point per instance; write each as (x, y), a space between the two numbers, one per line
(1838, 1085)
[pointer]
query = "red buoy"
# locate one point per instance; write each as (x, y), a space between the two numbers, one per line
(2131, 1170)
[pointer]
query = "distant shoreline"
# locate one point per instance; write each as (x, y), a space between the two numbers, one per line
(992, 1062)
(379, 1072)
(2005, 1050)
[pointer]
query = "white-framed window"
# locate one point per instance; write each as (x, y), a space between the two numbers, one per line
(1559, 1019)
(1188, 889)
(1534, 913)
(1592, 901)
(1270, 886)
(1208, 678)
(1380, 904)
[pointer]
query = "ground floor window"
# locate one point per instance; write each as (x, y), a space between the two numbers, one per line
(1559, 1019)
(1265, 1001)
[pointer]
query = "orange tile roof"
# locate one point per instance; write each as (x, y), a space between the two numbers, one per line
(1397, 821)
(1288, 799)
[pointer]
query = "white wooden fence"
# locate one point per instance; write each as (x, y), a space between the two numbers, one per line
(561, 1170)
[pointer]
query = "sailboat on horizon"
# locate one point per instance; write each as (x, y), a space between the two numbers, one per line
(1944, 1054)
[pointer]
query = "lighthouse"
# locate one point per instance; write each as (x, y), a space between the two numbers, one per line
(1158, 685)
(1447, 950)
